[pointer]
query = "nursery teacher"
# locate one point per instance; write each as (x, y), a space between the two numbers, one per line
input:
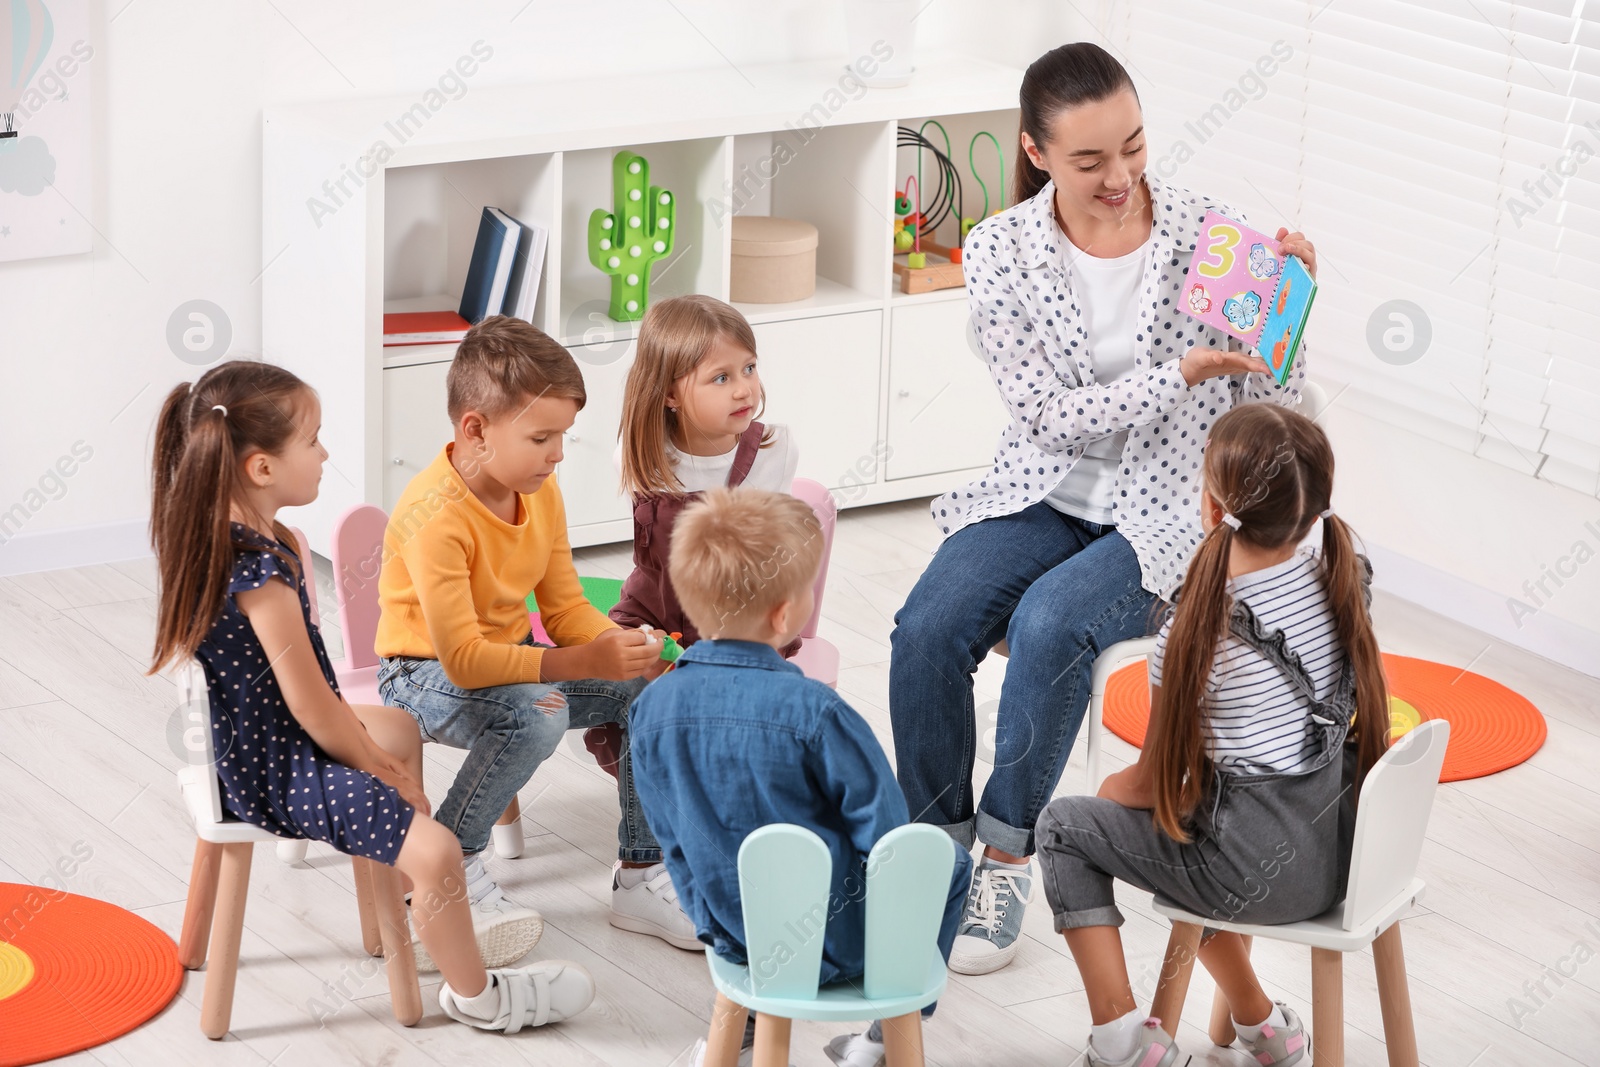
(1091, 512)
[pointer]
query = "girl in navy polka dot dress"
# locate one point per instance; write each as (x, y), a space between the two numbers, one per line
(292, 756)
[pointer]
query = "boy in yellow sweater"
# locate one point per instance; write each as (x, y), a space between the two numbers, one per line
(475, 531)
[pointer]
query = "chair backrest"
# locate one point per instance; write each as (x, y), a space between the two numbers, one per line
(822, 502)
(357, 559)
(1313, 399)
(1392, 819)
(303, 548)
(784, 877)
(194, 703)
(908, 882)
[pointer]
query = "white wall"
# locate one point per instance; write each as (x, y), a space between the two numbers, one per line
(179, 87)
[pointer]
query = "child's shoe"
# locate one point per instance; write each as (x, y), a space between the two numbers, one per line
(549, 991)
(505, 932)
(1155, 1049)
(1278, 1046)
(856, 1050)
(650, 906)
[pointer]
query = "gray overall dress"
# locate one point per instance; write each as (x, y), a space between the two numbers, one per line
(1264, 848)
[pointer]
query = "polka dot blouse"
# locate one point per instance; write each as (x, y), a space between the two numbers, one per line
(1027, 326)
(273, 774)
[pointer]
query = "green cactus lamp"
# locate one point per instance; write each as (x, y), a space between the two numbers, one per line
(625, 242)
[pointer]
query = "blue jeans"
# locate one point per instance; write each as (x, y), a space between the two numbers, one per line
(507, 736)
(1060, 591)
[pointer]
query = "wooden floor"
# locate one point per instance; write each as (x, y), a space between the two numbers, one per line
(1502, 958)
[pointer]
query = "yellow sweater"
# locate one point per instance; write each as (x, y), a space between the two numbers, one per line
(456, 577)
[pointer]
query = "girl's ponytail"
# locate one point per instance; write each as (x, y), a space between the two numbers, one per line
(203, 433)
(1346, 573)
(1176, 745)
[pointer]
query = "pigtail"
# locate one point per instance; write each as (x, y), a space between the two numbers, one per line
(1175, 744)
(189, 528)
(1350, 596)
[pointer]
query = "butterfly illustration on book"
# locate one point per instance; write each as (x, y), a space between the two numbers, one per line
(1242, 309)
(1199, 300)
(1263, 264)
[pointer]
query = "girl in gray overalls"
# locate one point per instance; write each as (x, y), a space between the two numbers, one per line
(1242, 802)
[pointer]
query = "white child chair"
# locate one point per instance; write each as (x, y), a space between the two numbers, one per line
(1391, 822)
(220, 879)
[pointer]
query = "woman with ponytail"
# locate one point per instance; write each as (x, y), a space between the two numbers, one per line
(291, 756)
(1268, 707)
(1087, 518)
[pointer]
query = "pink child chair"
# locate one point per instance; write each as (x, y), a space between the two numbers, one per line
(357, 559)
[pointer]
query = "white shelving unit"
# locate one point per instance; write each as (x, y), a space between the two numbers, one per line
(880, 389)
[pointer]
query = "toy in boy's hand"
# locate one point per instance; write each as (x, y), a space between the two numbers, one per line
(1250, 273)
(670, 649)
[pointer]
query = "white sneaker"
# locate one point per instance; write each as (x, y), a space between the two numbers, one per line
(651, 907)
(505, 932)
(855, 1050)
(545, 992)
(991, 929)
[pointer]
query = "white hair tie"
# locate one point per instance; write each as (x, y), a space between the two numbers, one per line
(1231, 519)
(1328, 512)
(219, 407)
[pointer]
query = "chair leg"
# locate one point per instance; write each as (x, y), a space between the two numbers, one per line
(366, 906)
(292, 851)
(399, 960)
(902, 1040)
(1327, 1007)
(1096, 702)
(507, 831)
(1172, 987)
(1394, 995)
(1222, 1031)
(772, 1041)
(233, 883)
(202, 901)
(727, 1033)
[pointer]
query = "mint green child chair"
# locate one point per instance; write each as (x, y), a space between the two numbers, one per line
(784, 876)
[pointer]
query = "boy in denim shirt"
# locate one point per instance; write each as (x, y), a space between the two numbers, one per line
(737, 738)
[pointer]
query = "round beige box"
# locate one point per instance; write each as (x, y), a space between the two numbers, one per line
(774, 260)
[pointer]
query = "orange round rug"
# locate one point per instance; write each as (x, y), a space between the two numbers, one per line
(75, 972)
(1491, 727)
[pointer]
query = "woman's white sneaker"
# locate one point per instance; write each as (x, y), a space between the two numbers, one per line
(549, 991)
(991, 929)
(643, 901)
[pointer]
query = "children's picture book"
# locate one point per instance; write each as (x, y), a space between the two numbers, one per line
(1241, 282)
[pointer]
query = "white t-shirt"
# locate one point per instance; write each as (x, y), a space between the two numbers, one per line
(1256, 720)
(773, 469)
(1107, 291)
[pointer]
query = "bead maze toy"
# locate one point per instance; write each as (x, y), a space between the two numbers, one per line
(921, 264)
(625, 242)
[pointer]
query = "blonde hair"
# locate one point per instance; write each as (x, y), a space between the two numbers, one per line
(674, 337)
(739, 553)
(502, 363)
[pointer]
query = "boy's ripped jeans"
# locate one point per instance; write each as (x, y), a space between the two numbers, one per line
(508, 731)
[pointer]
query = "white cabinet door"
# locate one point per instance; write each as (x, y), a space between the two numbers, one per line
(945, 413)
(590, 484)
(821, 378)
(415, 424)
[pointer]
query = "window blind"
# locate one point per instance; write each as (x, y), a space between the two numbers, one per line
(1444, 155)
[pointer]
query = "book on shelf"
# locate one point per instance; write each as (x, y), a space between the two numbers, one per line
(494, 253)
(423, 328)
(522, 289)
(1241, 282)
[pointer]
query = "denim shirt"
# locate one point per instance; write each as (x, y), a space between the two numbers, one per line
(737, 738)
